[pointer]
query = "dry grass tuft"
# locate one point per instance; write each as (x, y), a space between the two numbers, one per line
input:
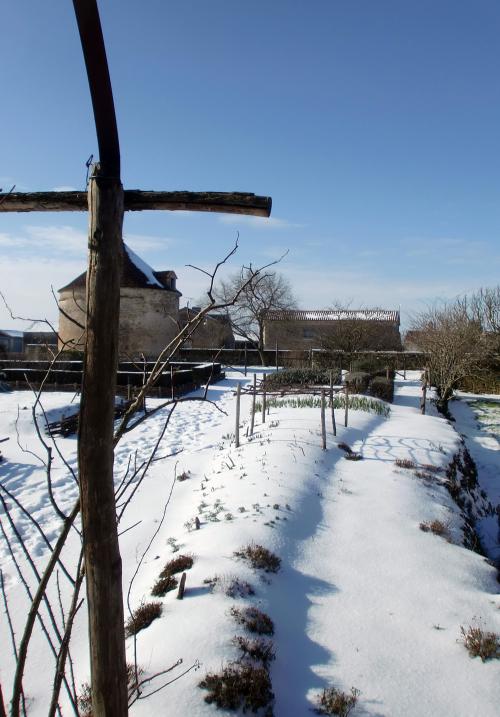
(230, 585)
(238, 686)
(479, 643)
(177, 565)
(85, 696)
(344, 447)
(256, 649)
(437, 528)
(259, 558)
(335, 702)
(164, 585)
(142, 617)
(253, 620)
(405, 463)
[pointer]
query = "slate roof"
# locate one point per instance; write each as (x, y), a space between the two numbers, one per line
(136, 274)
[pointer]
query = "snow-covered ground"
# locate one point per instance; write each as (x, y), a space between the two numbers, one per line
(364, 598)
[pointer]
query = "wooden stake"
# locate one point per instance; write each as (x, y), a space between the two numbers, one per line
(246, 360)
(323, 421)
(346, 409)
(237, 421)
(252, 417)
(264, 398)
(334, 425)
(182, 587)
(277, 355)
(172, 393)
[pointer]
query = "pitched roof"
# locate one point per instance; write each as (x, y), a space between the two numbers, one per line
(332, 315)
(136, 274)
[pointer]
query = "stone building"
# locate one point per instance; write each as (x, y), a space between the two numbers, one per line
(345, 330)
(215, 330)
(149, 309)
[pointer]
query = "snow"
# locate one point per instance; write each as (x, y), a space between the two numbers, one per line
(143, 267)
(364, 598)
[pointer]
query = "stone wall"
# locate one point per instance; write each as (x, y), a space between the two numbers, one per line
(303, 334)
(148, 320)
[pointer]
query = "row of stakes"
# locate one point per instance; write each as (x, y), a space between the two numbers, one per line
(323, 394)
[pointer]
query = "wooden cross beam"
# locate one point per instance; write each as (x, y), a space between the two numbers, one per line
(106, 202)
(135, 200)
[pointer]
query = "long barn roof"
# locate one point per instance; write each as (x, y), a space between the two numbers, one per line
(332, 315)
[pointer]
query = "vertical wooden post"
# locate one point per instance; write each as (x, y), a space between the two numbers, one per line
(103, 567)
(346, 409)
(252, 417)
(424, 393)
(334, 425)
(276, 357)
(323, 421)
(172, 392)
(264, 398)
(246, 359)
(237, 420)
(387, 372)
(404, 367)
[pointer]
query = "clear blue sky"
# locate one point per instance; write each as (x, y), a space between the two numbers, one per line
(373, 124)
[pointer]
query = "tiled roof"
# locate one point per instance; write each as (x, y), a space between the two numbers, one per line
(332, 315)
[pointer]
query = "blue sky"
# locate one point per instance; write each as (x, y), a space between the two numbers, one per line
(373, 124)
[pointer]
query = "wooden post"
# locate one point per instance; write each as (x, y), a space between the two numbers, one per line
(103, 567)
(424, 393)
(263, 398)
(387, 372)
(404, 367)
(334, 425)
(323, 421)
(237, 420)
(172, 393)
(182, 587)
(277, 356)
(252, 417)
(346, 408)
(246, 360)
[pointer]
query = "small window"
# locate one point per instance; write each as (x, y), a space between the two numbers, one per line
(308, 333)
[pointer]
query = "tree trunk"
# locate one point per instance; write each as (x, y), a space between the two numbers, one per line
(103, 566)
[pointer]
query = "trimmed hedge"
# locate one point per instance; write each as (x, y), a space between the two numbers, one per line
(382, 387)
(299, 377)
(357, 381)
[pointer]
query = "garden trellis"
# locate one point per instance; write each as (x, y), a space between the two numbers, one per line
(106, 202)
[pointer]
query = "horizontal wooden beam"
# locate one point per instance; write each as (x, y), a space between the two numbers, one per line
(136, 201)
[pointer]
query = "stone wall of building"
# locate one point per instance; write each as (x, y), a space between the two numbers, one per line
(148, 320)
(304, 334)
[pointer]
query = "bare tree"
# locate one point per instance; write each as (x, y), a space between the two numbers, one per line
(256, 295)
(455, 345)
